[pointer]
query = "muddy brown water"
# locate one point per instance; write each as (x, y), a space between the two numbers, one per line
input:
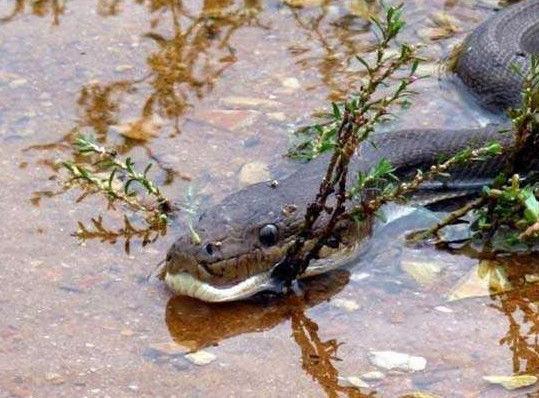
(202, 88)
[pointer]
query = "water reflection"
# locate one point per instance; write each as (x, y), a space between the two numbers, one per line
(520, 306)
(318, 357)
(331, 45)
(192, 52)
(191, 60)
(196, 325)
(40, 8)
(185, 65)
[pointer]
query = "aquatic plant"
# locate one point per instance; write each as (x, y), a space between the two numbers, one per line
(509, 204)
(507, 212)
(116, 179)
(349, 124)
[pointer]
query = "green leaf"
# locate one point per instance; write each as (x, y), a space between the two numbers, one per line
(531, 213)
(336, 111)
(111, 178)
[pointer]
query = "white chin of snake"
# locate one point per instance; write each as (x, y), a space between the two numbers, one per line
(184, 284)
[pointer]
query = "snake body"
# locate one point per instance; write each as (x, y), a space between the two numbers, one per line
(250, 231)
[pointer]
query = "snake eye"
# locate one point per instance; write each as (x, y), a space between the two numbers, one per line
(210, 249)
(268, 235)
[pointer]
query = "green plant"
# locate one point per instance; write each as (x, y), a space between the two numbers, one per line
(349, 124)
(105, 173)
(509, 208)
(368, 107)
(508, 204)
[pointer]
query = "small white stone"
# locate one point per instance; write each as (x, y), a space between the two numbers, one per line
(531, 278)
(123, 68)
(355, 381)
(392, 360)
(254, 172)
(133, 387)
(345, 304)
(54, 378)
(291, 82)
(359, 277)
(445, 310)
(201, 358)
(279, 116)
(374, 375)
(18, 83)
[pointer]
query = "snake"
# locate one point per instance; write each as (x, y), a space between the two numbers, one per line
(249, 232)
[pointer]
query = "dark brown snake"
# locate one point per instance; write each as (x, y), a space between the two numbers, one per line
(249, 232)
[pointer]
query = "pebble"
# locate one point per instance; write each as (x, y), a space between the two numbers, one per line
(345, 304)
(291, 82)
(304, 3)
(431, 69)
(249, 102)
(374, 375)
(228, 119)
(201, 358)
(481, 281)
(168, 348)
(359, 277)
(392, 360)
(512, 382)
(123, 68)
(423, 272)
(531, 278)
(254, 172)
(278, 116)
(355, 381)
(443, 309)
(18, 83)
(54, 378)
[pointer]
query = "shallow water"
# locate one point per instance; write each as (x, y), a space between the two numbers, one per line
(202, 88)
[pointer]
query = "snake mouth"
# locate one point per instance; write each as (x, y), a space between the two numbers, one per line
(246, 275)
(185, 284)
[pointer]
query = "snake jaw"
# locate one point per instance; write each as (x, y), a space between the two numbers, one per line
(185, 284)
(249, 273)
